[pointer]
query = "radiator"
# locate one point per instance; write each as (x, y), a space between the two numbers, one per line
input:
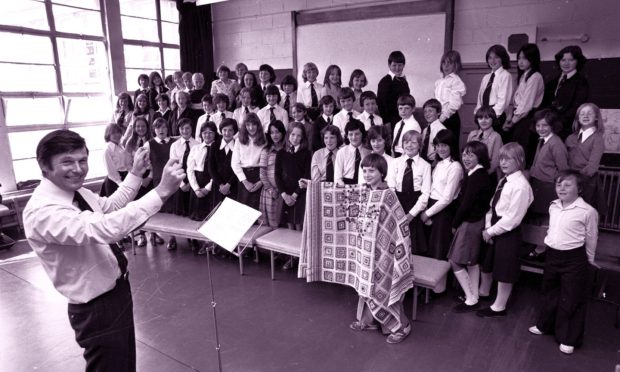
(610, 177)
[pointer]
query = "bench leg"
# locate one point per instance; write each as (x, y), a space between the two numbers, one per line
(273, 271)
(414, 306)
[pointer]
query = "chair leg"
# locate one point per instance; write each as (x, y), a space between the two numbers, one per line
(240, 256)
(273, 271)
(255, 254)
(427, 296)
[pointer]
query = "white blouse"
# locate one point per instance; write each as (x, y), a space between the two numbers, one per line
(446, 184)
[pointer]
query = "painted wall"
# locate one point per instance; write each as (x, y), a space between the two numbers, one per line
(259, 31)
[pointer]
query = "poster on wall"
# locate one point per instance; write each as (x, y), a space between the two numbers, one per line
(611, 121)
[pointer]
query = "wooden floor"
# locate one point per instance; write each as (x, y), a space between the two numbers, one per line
(282, 325)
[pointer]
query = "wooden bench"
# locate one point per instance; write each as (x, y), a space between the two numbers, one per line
(184, 227)
(281, 241)
(430, 274)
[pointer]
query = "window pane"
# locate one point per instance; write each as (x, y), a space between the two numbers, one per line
(170, 33)
(90, 4)
(33, 111)
(93, 136)
(18, 48)
(139, 29)
(172, 59)
(169, 11)
(27, 169)
(146, 58)
(24, 145)
(79, 21)
(89, 109)
(26, 13)
(131, 74)
(83, 65)
(96, 166)
(139, 8)
(39, 78)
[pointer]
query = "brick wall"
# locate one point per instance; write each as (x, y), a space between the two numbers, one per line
(259, 31)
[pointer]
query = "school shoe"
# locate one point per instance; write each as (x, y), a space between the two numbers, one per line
(172, 245)
(359, 326)
(399, 336)
(158, 239)
(490, 313)
(464, 308)
(141, 241)
(567, 349)
(534, 330)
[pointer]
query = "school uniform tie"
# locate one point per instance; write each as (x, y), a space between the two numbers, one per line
(486, 95)
(350, 114)
(580, 137)
(247, 110)
(329, 120)
(397, 138)
(329, 167)
(272, 115)
(372, 120)
(560, 83)
(121, 119)
(81, 203)
(287, 104)
(426, 142)
(407, 183)
(208, 117)
(358, 160)
(541, 142)
(481, 136)
(314, 97)
(498, 193)
(223, 116)
(185, 155)
(205, 158)
(141, 142)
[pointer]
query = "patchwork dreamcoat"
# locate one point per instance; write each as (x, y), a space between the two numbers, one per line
(358, 237)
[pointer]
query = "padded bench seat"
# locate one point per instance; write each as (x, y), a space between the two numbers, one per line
(429, 273)
(281, 241)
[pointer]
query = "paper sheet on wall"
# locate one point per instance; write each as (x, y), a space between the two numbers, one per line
(611, 120)
(229, 223)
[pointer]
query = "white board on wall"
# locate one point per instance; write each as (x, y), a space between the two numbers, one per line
(366, 44)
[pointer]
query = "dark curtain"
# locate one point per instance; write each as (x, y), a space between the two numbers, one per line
(196, 38)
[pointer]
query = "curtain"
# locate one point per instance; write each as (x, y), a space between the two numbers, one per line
(196, 39)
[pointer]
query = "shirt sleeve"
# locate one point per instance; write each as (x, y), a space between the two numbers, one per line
(455, 175)
(534, 87)
(110, 167)
(519, 202)
(422, 202)
(67, 225)
(504, 93)
(455, 99)
(339, 166)
(594, 161)
(591, 233)
(315, 168)
(235, 162)
(192, 165)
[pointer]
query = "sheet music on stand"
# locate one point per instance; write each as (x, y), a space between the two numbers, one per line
(227, 225)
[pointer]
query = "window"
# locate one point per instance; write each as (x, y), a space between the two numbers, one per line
(56, 67)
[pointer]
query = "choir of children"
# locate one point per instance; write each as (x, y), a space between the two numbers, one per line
(262, 144)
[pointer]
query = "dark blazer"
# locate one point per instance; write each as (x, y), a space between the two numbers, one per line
(219, 166)
(388, 92)
(173, 121)
(317, 127)
(153, 97)
(570, 96)
(474, 198)
(290, 168)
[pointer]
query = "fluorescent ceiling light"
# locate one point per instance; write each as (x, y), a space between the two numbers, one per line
(206, 2)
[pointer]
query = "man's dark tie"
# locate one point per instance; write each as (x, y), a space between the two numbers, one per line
(120, 256)
(358, 160)
(560, 83)
(287, 104)
(486, 95)
(398, 134)
(329, 167)
(372, 120)
(407, 184)
(315, 98)
(498, 193)
(272, 115)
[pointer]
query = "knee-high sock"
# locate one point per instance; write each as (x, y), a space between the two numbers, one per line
(463, 277)
(503, 293)
(474, 280)
(486, 279)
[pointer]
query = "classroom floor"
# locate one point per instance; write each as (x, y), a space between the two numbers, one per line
(281, 325)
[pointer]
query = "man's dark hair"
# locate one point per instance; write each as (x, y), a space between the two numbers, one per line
(58, 142)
